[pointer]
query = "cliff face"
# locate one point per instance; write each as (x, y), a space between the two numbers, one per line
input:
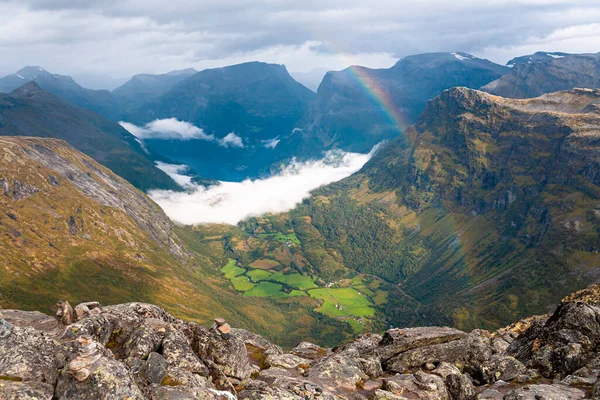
(139, 351)
(488, 208)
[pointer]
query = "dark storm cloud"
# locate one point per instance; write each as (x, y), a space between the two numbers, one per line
(129, 36)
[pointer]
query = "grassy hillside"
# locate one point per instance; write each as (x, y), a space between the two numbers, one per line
(485, 211)
(71, 229)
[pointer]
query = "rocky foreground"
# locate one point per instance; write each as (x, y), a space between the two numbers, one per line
(138, 351)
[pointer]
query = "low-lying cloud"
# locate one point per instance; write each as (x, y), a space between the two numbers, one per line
(169, 128)
(231, 140)
(174, 129)
(231, 202)
(177, 173)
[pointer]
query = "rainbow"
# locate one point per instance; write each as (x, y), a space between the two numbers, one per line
(373, 90)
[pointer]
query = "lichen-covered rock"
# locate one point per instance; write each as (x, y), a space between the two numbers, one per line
(107, 379)
(460, 387)
(338, 372)
(5, 329)
(396, 341)
(178, 352)
(185, 393)
(27, 354)
(229, 355)
(155, 368)
(452, 351)
(503, 368)
(83, 310)
(543, 392)
(309, 351)
(564, 343)
(145, 339)
(420, 386)
(29, 390)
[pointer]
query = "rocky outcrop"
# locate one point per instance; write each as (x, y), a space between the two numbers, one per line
(139, 351)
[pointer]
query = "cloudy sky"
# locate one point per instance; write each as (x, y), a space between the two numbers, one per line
(118, 38)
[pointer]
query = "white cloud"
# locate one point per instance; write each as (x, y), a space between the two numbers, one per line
(231, 202)
(232, 140)
(172, 128)
(177, 173)
(169, 128)
(271, 143)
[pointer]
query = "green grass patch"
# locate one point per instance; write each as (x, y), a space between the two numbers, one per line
(242, 284)
(231, 270)
(258, 275)
(298, 281)
(282, 237)
(267, 289)
(297, 293)
(264, 264)
(348, 300)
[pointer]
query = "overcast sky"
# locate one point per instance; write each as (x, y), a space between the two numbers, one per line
(119, 38)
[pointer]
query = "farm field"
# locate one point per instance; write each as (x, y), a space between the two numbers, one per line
(350, 300)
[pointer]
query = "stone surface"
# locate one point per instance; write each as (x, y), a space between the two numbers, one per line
(30, 390)
(545, 392)
(138, 351)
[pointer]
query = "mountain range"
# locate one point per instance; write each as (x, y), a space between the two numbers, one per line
(479, 209)
(32, 111)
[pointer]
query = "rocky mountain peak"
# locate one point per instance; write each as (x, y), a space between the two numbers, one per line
(29, 89)
(32, 72)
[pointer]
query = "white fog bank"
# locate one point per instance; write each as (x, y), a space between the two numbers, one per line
(232, 202)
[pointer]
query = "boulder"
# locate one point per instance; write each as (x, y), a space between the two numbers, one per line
(385, 395)
(145, 339)
(543, 392)
(459, 385)
(228, 354)
(455, 351)
(338, 372)
(107, 379)
(503, 368)
(27, 354)
(563, 344)
(420, 386)
(184, 393)
(397, 341)
(84, 310)
(309, 351)
(178, 352)
(155, 368)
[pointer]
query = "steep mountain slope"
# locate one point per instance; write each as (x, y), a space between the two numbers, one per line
(358, 107)
(72, 229)
(543, 73)
(486, 210)
(146, 87)
(246, 107)
(255, 100)
(100, 101)
(31, 111)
